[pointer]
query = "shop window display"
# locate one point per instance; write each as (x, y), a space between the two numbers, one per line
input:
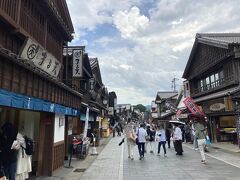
(227, 129)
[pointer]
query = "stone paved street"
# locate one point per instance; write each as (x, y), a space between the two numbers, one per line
(112, 163)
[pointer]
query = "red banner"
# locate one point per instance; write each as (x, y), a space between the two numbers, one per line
(192, 107)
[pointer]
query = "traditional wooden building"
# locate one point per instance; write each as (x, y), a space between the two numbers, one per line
(74, 126)
(32, 92)
(99, 95)
(89, 83)
(212, 74)
(163, 112)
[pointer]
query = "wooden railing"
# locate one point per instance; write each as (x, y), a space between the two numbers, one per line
(215, 85)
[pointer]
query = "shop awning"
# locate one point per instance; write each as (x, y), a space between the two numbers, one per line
(15, 100)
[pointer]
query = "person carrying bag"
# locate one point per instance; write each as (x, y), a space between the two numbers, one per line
(201, 139)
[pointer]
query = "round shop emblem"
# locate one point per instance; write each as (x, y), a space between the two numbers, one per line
(32, 51)
(77, 54)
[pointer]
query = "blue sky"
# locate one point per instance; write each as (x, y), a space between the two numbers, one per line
(142, 45)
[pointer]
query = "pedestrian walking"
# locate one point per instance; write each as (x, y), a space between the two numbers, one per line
(201, 139)
(129, 133)
(150, 139)
(141, 134)
(118, 130)
(195, 143)
(187, 133)
(177, 137)
(160, 137)
(168, 135)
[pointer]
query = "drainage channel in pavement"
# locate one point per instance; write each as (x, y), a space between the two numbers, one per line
(79, 170)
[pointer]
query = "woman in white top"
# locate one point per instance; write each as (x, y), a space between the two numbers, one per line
(24, 166)
(160, 137)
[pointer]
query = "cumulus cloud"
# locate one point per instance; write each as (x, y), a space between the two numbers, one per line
(87, 14)
(130, 22)
(152, 43)
(126, 67)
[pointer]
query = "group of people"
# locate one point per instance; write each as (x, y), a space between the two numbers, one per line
(147, 135)
(15, 164)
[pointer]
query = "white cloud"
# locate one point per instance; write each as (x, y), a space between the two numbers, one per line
(87, 14)
(126, 67)
(130, 22)
(153, 45)
(177, 22)
(105, 41)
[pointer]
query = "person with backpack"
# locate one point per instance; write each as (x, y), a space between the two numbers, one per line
(150, 139)
(201, 139)
(24, 166)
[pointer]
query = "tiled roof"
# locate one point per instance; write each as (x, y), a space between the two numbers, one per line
(166, 94)
(226, 38)
(69, 49)
(221, 40)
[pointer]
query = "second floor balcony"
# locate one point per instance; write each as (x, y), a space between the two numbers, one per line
(214, 86)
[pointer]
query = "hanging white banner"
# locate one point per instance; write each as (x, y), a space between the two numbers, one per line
(77, 62)
(86, 123)
(41, 58)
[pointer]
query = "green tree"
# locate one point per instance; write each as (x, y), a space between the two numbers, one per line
(141, 107)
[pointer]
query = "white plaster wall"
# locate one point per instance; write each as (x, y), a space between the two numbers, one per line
(29, 123)
(58, 130)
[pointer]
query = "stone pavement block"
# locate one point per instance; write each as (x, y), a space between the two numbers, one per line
(113, 163)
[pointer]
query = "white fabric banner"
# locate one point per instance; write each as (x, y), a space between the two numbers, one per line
(77, 62)
(86, 124)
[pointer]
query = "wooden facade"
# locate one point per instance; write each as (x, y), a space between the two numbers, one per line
(48, 23)
(58, 154)
(208, 60)
(17, 78)
(212, 72)
(27, 18)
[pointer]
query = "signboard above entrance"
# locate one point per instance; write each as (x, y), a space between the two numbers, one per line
(217, 107)
(41, 58)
